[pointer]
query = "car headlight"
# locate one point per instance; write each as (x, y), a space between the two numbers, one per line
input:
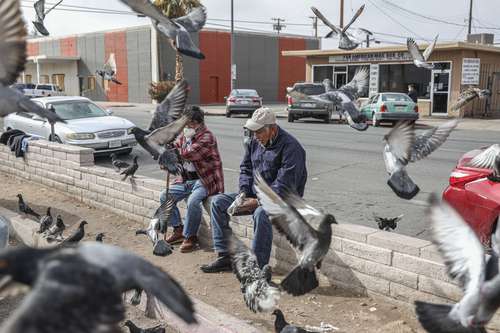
(129, 131)
(80, 136)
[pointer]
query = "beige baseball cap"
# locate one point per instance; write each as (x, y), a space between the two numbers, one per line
(261, 117)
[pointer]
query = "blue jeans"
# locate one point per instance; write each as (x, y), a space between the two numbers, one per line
(262, 228)
(195, 193)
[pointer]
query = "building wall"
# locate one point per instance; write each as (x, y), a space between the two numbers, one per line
(68, 68)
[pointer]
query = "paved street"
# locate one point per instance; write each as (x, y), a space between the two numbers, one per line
(346, 172)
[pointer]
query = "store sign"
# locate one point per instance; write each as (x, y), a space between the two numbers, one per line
(373, 87)
(371, 57)
(233, 72)
(470, 71)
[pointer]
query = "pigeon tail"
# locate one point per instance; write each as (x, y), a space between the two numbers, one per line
(116, 81)
(300, 281)
(136, 299)
(162, 248)
(403, 185)
(31, 212)
(435, 318)
(41, 28)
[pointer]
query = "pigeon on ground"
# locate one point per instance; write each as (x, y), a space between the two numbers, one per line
(419, 58)
(259, 292)
(282, 326)
(469, 95)
(171, 116)
(403, 146)
(40, 16)
(99, 237)
(109, 70)
(387, 223)
(131, 170)
(347, 40)
(24, 208)
(12, 63)
(56, 231)
(77, 235)
(177, 29)
(4, 233)
(485, 159)
(118, 164)
(134, 329)
(465, 260)
(344, 99)
(45, 222)
(289, 215)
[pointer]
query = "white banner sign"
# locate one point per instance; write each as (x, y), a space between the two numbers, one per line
(470, 71)
(373, 87)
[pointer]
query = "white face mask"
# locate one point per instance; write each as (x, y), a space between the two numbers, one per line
(189, 132)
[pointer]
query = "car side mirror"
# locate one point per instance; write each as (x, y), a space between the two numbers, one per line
(109, 112)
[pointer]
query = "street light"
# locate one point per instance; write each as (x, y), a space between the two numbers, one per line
(233, 65)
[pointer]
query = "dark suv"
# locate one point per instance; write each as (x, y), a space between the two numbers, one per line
(307, 108)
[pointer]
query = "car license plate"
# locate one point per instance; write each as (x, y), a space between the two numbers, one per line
(400, 108)
(308, 105)
(244, 102)
(115, 143)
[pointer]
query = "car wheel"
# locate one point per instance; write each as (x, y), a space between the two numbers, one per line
(228, 114)
(375, 122)
(125, 152)
(249, 115)
(290, 117)
(328, 117)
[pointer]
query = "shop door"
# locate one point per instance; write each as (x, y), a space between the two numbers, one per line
(440, 91)
(214, 89)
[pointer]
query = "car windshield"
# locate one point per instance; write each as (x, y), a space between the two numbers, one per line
(310, 89)
(78, 110)
(395, 98)
(244, 92)
(44, 87)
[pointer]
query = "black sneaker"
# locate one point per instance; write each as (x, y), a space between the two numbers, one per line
(222, 264)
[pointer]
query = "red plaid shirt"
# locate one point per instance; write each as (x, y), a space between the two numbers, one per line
(204, 155)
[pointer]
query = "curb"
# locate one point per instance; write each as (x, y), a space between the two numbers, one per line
(210, 319)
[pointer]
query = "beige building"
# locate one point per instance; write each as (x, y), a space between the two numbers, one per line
(456, 66)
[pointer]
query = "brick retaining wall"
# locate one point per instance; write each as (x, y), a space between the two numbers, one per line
(364, 260)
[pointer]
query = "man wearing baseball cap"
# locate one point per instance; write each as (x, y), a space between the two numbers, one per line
(281, 161)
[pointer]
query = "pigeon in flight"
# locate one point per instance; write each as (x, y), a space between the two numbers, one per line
(469, 95)
(465, 259)
(289, 215)
(347, 41)
(99, 237)
(24, 208)
(109, 70)
(117, 163)
(159, 223)
(56, 231)
(403, 146)
(485, 159)
(40, 16)
(259, 292)
(45, 222)
(170, 160)
(177, 29)
(131, 170)
(4, 233)
(282, 326)
(134, 329)
(169, 119)
(344, 98)
(12, 63)
(387, 223)
(77, 235)
(420, 59)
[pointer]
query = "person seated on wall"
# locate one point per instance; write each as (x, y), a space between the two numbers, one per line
(202, 176)
(281, 160)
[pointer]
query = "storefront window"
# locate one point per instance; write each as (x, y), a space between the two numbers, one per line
(322, 72)
(58, 79)
(397, 77)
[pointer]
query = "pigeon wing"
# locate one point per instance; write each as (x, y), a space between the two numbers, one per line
(39, 10)
(464, 98)
(354, 117)
(354, 18)
(171, 107)
(146, 8)
(12, 42)
(244, 262)
(110, 65)
(166, 134)
(4, 233)
(413, 49)
(326, 22)
(486, 159)
(400, 140)
(428, 51)
(163, 212)
(287, 219)
(26, 104)
(358, 84)
(431, 140)
(194, 20)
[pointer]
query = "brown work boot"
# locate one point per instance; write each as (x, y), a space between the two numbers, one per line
(189, 244)
(176, 237)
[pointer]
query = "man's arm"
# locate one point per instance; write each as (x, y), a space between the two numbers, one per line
(291, 170)
(246, 172)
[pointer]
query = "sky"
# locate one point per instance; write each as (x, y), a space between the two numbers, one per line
(390, 24)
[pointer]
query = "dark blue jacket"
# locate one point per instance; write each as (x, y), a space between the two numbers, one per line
(282, 165)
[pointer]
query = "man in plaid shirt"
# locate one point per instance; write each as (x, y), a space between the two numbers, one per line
(202, 176)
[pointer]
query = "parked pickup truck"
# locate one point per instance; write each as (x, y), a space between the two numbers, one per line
(44, 90)
(307, 108)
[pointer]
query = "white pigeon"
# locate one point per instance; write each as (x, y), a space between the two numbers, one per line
(469, 95)
(486, 159)
(109, 70)
(420, 59)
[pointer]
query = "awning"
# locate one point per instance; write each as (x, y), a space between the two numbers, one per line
(51, 59)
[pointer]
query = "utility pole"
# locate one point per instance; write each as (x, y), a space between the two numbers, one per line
(315, 25)
(278, 26)
(470, 17)
(342, 14)
(367, 40)
(233, 65)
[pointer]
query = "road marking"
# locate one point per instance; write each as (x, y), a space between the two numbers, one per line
(232, 170)
(420, 202)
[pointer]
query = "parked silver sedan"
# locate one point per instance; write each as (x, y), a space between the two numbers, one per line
(87, 125)
(242, 101)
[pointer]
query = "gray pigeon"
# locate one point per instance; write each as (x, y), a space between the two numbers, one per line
(344, 98)
(403, 146)
(387, 223)
(469, 95)
(282, 326)
(134, 329)
(40, 16)
(109, 70)
(131, 170)
(56, 231)
(172, 116)
(4, 233)
(117, 163)
(289, 215)
(77, 235)
(259, 292)
(45, 222)
(420, 59)
(465, 260)
(99, 237)
(12, 62)
(177, 29)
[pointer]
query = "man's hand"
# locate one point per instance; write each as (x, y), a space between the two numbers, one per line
(249, 204)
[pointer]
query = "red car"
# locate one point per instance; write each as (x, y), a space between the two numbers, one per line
(475, 195)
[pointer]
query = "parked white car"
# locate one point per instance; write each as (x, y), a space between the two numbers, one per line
(87, 125)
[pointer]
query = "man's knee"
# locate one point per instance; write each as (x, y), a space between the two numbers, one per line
(218, 202)
(260, 216)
